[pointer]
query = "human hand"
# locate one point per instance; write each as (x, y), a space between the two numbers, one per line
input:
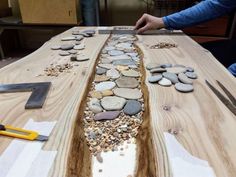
(148, 22)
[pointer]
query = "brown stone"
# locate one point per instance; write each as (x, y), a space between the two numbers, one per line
(95, 94)
(101, 78)
(107, 93)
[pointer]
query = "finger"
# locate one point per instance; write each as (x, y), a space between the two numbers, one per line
(143, 29)
(140, 22)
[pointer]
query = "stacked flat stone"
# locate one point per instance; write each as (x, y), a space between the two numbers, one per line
(72, 45)
(115, 102)
(166, 75)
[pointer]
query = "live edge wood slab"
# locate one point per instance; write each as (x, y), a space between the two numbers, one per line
(204, 126)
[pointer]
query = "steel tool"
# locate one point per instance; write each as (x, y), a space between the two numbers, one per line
(130, 30)
(21, 133)
(229, 103)
(39, 92)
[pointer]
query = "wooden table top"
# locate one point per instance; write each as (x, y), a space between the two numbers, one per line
(206, 128)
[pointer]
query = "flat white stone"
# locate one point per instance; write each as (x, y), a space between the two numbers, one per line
(113, 103)
(69, 38)
(113, 73)
(108, 85)
(165, 82)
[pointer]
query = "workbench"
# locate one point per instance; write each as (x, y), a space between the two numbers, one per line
(202, 123)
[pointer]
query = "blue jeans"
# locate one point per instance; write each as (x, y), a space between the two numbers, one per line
(89, 12)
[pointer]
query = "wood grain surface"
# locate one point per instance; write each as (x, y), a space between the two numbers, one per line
(62, 103)
(204, 126)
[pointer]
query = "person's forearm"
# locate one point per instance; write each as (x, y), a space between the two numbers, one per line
(204, 11)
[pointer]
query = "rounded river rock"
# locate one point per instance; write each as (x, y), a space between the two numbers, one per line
(113, 103)
(132, 107)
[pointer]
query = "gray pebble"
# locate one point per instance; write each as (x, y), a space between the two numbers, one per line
(158, 70)
(67, 46)
(64, 53)
(171, 76)
(100, 71)
(132, 107)
(191, 75)
(184, 87)
(184, 79)
(151, 66)
(154, 79)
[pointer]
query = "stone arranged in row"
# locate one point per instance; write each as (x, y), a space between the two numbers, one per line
(167, 74)
(115, 104)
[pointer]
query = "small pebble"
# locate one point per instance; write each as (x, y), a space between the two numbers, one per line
(184, 87)
(165, 82)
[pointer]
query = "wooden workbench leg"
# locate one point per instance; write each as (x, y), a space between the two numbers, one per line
(1, 50)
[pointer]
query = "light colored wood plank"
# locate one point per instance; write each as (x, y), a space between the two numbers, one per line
(63, 100)
(206, 127)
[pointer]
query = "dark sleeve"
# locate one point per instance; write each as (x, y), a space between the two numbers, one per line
(204, 11)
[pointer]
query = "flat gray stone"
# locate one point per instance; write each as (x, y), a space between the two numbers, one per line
(167, 65)
(191, 75)
(113, 103)
(79, 47)
(184, 87)
(107, 85)
(100, 71)
(133, 54)
(108, 115)
(132, 107)
(154, 79)
(128, 93)
(158, 70)
(130, 73)
(171, 76)
(67, 46)
(82, 58)
(151, 66)
(94, 105)
(165, 82)
(108, 48)
(119, 57)
(113, 73)
(64, 53)
(127, 82)
(106, 61)
(125, 62)
(55, 47)
(184, 79)
(107, 66)
(72, 51)
(115, 52)
(69, 38)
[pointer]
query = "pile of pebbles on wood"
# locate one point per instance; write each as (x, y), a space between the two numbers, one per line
(162, 45)
(72, 46)
(115, 103)
(167, 74)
